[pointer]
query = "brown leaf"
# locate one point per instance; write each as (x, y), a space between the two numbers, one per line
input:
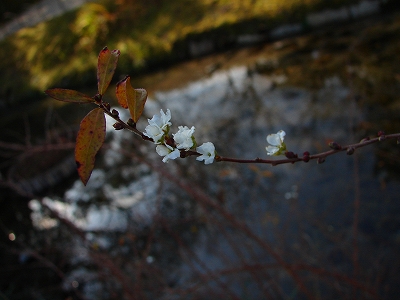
(131, 98)
(106, 65)
(121, 92)
(69, 95)
(90, 138)
(137, 106)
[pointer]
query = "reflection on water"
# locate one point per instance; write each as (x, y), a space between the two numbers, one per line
(183, 230)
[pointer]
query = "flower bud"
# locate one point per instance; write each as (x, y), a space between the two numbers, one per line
(290, 154)
(131, 123)
(350, 150)
(306, 156)
(115, 112)
(118, 126)
(335, 146)
(107, 105)
(97, 97)
(321, 160)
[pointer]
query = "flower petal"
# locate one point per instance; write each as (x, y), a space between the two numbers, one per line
(173, 155)
(166, 117)
(281, 134)
(271, 150)
(274, 139)
(168, 152)
(162, 150)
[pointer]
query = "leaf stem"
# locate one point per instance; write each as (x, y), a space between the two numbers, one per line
(122, 123)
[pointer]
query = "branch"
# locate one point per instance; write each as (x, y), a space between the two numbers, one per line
(290, 156)
(336, 148)
(130, 125)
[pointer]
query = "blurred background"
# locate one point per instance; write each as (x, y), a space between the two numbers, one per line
(236, 70)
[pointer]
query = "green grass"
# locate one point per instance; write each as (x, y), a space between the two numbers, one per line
(150, 34)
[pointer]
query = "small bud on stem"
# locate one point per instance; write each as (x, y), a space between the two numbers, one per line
(97, 97)
(131, 123)
(306, 156)
(350, 150)
(335, 146)
(290, 154)
(107, 105)
(115, 113)
(118, 126)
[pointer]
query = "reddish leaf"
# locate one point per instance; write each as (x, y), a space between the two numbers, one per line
(131, 98)
(69, 95)
(107, 63)
(90, 138)
(121, 92)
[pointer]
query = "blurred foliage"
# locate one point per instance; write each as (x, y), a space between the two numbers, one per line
(149, 33)
(92, 26)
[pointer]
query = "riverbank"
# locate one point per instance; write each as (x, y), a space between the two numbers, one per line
(63, 51)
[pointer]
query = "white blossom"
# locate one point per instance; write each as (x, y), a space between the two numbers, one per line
(277, 146)
(184, 137)
(158, 126)
(168, 152)
(207, 151)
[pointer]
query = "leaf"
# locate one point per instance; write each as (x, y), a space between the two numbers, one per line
(106, 65)
(140, 101)
(121, 92)
(69, 96)
(131, 98)
(90, 138)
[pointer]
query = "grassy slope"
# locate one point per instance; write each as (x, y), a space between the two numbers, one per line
(63, 51)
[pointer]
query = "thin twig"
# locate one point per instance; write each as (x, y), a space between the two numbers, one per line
(318, 156)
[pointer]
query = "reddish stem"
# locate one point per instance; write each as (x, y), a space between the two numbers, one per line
(321, 155)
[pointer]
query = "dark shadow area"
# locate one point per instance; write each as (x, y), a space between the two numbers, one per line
(11, 9)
